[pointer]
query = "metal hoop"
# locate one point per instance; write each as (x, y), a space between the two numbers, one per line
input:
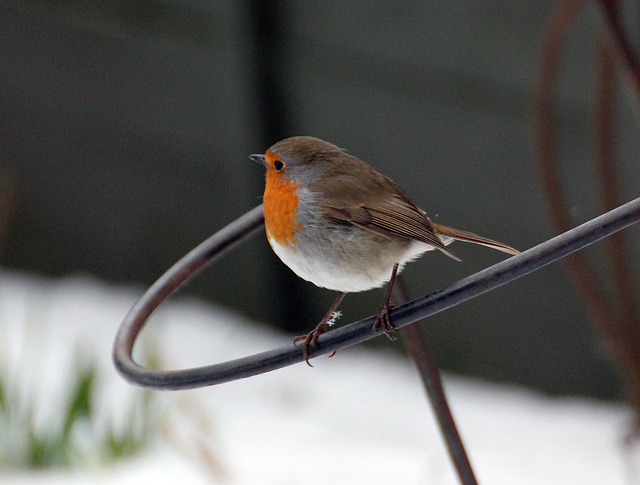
(354, 333)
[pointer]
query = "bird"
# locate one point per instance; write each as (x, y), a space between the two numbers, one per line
(343, 225)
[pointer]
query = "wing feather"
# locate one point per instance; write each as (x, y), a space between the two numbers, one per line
(393, 216)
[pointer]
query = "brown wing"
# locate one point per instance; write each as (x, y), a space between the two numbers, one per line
(368, 207)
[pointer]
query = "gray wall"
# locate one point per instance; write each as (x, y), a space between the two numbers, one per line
(125, 129)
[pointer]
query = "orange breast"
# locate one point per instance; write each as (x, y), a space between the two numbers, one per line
(280, 203)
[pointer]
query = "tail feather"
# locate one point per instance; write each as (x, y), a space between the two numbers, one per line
(465, 236)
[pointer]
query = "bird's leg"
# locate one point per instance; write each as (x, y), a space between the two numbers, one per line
(312, 337)
(382, 320)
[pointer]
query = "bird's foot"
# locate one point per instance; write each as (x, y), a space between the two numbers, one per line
(384, 322)
(311, 339)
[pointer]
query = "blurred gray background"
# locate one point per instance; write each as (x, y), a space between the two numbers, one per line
(125, 129)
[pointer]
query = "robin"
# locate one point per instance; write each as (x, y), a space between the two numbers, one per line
(343, 225)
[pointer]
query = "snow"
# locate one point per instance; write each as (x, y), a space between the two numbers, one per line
(358, 417)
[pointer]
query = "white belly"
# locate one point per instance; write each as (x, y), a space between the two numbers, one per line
(340, 277)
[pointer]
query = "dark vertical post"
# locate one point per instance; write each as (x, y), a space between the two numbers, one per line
(424, 361)
(268, 26)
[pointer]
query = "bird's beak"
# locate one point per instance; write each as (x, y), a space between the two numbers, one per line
(258, 158)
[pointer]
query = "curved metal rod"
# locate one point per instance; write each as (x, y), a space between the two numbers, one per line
(354, 333)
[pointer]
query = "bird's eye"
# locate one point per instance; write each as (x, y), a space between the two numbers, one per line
(278, 165)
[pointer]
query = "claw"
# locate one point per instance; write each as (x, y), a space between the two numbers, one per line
(312, 337)
(384, 322)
